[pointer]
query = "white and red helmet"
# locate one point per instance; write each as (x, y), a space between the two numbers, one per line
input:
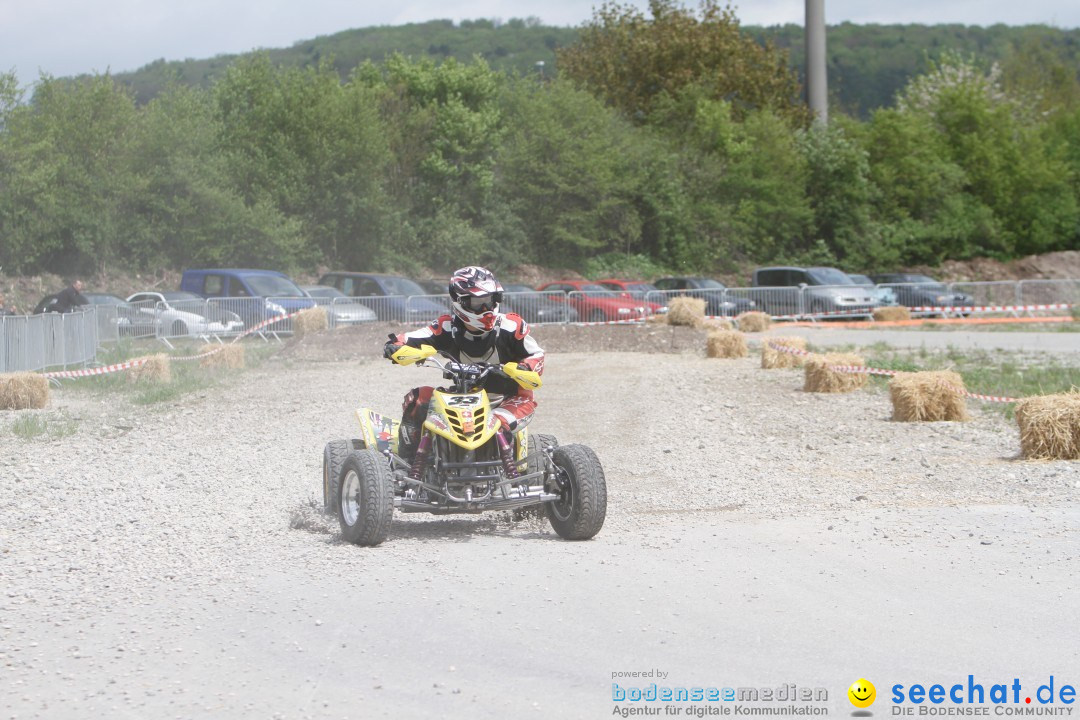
(475, 295)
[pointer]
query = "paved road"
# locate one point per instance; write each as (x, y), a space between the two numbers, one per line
(1053, 342)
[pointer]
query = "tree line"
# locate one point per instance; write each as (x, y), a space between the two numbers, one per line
(692, 152)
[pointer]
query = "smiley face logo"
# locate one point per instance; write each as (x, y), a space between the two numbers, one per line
(862, 693)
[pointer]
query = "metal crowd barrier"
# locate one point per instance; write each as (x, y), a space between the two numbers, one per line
(40, 342)
(608, 306)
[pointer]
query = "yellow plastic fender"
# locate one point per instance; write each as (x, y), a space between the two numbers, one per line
(408, 355)
(529, 379)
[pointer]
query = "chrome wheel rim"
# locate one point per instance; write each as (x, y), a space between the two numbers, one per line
(350, 498)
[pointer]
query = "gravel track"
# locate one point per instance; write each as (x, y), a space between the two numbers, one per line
(172, 561)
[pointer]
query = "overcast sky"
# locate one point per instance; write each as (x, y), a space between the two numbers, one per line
(68, 37)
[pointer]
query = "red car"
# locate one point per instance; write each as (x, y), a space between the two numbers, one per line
(595, 303)
(636, 290)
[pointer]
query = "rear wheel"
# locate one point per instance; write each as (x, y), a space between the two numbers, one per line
(366, 498)
(178, 329)
(333, 458)
(579, 513)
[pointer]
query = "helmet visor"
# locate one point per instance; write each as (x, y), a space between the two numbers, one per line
(479, 303)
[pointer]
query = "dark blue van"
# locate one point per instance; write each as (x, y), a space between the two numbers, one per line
(255, 295)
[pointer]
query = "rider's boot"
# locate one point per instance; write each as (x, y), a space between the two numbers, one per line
(408, 439)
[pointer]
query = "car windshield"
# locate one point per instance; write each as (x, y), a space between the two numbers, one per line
(921, 279)
(596, 291)
(179, 296)
(273, 286)
(104, 299)
(323, 291)
(860, 279)
(829, 276)
(640, 287)
(402, 286)
(712, 284)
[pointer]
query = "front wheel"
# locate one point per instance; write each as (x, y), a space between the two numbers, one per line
(579, 513)
(366, 498)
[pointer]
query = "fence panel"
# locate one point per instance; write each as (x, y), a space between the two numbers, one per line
(346, 311)
(779, 302)
(606, 306)
(916, 295)
(846, 300)
(421, 309)
(1001, 292)
(540, 307)
(1047, 292)
(39, 342)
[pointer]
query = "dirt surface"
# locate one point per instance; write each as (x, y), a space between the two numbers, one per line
(171, 562)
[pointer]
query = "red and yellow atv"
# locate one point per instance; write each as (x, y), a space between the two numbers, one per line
(463, 463)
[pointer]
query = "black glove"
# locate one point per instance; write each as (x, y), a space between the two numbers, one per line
(390, 348)
(523, 366)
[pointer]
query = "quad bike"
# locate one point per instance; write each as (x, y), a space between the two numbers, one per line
(464, 462)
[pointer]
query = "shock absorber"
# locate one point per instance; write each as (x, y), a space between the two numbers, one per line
(507, 453)
(416, 471)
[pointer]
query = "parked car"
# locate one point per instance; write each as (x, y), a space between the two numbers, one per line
(916, 290)
(343, 309)
(255, 295)
(885, 295)
(596, 303)
(535, 307)
(434, 287)
(637, 290)
(179, 313)
(823, 289)
(127, 318)
(387, 295)
(709, 290)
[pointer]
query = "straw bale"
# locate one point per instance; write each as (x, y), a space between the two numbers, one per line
(820, 377)
(753, 321)
(23, 390)
(155, 369)
(892, 313)
(771, 359)
(309, 321)
(928, 396)
(1050, 426)
(227, 356)
(688, 311)
(725, 344)
(719, 324)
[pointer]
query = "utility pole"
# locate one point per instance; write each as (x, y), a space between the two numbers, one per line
(817, 86)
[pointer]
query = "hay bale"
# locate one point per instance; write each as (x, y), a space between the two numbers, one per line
(719, 324)
(311, 320)
(725, 344)
(686, 311)
(820, 377)
(772, 359)
(23, 390)
(753, 321)
(928, 396)
(227, 356)
(892, 313)
(1050, 426)
(657, 319)
(155, 369)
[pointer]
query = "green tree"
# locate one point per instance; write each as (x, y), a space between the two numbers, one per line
(571, 171)
(630, 60)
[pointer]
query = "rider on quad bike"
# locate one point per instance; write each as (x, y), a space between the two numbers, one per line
(476, 333)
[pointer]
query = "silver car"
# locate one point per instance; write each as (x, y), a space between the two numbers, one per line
(342, 309)
(179, 314)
